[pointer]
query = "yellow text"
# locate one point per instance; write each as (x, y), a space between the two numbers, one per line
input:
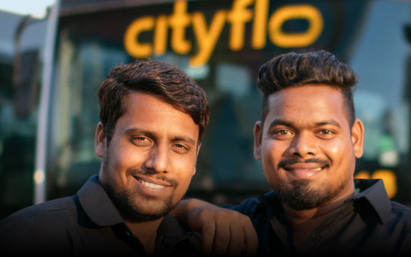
(207, 35)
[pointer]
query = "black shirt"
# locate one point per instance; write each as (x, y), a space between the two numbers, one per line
(85, 224)
(368, 224)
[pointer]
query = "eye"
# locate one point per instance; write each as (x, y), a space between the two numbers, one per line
(140, 141)
(180, 148)
(283, 132)
(325, 131)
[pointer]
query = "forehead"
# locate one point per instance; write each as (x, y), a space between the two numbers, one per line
(307, 104)
(151, 113)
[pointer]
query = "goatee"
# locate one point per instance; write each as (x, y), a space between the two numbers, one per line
(125, 199)
(298, 195)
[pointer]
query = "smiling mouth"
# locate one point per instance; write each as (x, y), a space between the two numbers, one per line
(151, 184)
(304, 170)
(320, 168)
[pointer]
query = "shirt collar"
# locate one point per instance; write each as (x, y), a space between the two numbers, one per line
(101, 210)
(97, 205)
(373, 191)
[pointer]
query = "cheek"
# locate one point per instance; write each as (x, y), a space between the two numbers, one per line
(337, 151)
(272, 151)
(267, 148)
(182, 164)
(125, 157)
(183, 167)
(183, 184)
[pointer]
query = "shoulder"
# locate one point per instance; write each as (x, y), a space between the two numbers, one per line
(400, 209)
(244, 206)
(39, 228)
(51, 209)
(38, 220)
(252, 206)
(401, 213)
(399, 224)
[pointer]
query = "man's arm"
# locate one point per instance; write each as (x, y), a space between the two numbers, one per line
(224, 232)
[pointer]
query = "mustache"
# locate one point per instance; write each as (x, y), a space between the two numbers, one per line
(285, 162)
(152, 173)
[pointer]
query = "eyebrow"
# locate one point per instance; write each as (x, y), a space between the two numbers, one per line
(328, 122)
(137, 130)
(185, 139)
(278, 122)
(153, 135)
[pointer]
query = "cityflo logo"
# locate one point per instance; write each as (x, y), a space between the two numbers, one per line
(208, 35)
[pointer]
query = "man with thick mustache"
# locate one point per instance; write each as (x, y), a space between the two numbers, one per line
(152, 121)
(307, 142)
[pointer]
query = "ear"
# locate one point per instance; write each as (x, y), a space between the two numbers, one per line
(258, 134)
(100, 140)
(357, 138)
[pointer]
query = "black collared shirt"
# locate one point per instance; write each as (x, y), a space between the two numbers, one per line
(85, 224)
(368, 224)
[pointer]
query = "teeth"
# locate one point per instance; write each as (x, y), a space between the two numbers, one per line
(151, 184)
(318, 169)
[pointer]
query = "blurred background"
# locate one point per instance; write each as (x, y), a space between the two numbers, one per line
(55, 54)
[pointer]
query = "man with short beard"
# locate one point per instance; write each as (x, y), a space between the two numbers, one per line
(152, 120)
(307, 142)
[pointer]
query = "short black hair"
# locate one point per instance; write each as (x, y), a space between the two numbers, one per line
(153, 77)
(293, 70)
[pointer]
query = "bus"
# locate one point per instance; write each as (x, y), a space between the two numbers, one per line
(221, 44)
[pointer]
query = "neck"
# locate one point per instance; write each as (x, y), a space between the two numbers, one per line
(146, 232)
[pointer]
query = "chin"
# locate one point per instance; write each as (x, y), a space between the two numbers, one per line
(137, 207)
(138, 213)
(299, 194)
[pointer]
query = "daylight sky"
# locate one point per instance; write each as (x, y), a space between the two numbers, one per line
(36, 8)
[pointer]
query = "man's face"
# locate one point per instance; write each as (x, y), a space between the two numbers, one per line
(306, 147)
(148, 164)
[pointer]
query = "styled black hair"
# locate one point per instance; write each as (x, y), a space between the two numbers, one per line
(293, 70)
(156, 78)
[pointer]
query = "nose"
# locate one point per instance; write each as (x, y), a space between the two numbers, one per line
(158, 159)
(303, 146)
